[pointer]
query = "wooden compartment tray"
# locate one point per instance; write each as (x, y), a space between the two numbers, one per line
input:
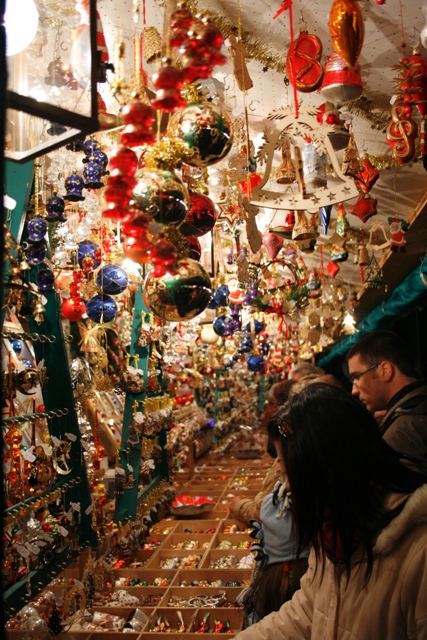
(195, 526)
(164, 555)
(222, 577)
(215, 554)
(234, 538)
(201, 540)
(189, 593)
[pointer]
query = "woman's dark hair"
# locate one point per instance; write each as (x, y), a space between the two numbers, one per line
(339, 470)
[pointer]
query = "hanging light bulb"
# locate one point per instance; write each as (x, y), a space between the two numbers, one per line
(21, 20)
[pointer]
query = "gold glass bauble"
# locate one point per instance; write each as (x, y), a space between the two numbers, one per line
(161, 195)
(181, 295)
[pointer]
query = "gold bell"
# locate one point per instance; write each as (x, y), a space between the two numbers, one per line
(23, 265)
(302, 229)
(363, 256)
(39, 310)
(286, 173)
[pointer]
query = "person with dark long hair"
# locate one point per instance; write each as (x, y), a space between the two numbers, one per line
(363, 513)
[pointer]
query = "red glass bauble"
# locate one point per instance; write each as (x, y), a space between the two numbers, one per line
(211, 36)
(123, 162)
(116, 212)
(163, 253)
(201, 217)
(168, 100)
(134, 135)
(195, 248)
(137, 249)
(181, 19)
(196, 66)
(119, 188)
(137, 112)
(135, 225)
(168, 77)
(73, 309)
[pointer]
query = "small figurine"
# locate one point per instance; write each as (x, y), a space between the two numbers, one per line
(398, 229)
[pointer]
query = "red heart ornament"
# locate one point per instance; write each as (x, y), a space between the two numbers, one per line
(303, 63)
(367, 176)
(272, 243)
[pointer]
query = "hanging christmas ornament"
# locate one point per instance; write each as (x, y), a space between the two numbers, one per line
(342, 224)
(342, 83)
(118, 192)
(220, 296)
(101, 308)
(286, 173)
(92, 174)
(201, 216)
(137, 248)
(207, 131)
(303, 230)
(398, 228)
(325, 216)
(88, 251)
(223, 326)
(314, 284)
(256, 364)
(163, 255)
(195, 249)
(374, 275)
(168, 82)
(135, 224)
(139, 119)
(346, 29)
(45, 279)
(367, 176)
(303, 64)
(285, 230)
(401, 133)
(272, 243)
(365, 207)
(181, 296)
(162, 196)
(36, 253)
(55, 207)
(332, 268)
(112, 279)
(73, 310)
(200, 51)
(339, 253)
(37, 228)
(329, 114)
(74, 185)
(208, 334)
(314, 167)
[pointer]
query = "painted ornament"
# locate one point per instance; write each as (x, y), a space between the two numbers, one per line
(342, 224)
(303, 64)
(342, 83)
(398, 228)
(401, 133)
(112, 279)
(272, 243)
(325, 216)
(101, 308)
(365, 207)
(346, 29)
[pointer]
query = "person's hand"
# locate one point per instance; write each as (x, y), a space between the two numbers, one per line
(233, 504)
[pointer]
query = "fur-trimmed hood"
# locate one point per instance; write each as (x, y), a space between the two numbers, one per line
(413, 513)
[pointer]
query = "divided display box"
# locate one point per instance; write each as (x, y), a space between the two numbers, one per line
(194, 597)
(158, 578)
(163, 556)
(214, 555)
(234, 538)
(200, 540)
(218, 578)
(195, 526)
(234, 617)
(238, 527)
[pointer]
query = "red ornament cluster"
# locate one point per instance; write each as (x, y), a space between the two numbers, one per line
(74, 307)
(199, 43)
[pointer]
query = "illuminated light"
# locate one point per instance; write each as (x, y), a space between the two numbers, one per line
(21, 20)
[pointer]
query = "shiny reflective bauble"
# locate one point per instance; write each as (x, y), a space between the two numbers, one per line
(208, 335)
(181, 296)
(91, 145)
(256, 363)
(16, 346)
(221, 295)
(195, 248)
(92, 173)
(88, 249)
(45, 279)
(101, 308)
(201, 217)
(223, 326)
(137, 248)
(55, 209)
(124, 162)
(73, 309)
(341, 83)
(112, 279)
(206, 129)
(161, 195)
(255, 325)
(37, 228)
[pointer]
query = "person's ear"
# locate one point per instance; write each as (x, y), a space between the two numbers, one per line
(387, 370)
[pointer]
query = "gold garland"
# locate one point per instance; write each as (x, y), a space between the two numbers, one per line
(364, 108)
(167, 154)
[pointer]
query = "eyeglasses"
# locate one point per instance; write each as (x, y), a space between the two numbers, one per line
(353, 379)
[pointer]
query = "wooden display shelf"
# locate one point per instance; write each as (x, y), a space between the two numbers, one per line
(149, 575)
(215, 554)
(171, 615)
(202, 541)
(234, 538)
(187, 593)
(195, 526)
(241, 528)
(221, 576)
(233, 616)
(163, 555)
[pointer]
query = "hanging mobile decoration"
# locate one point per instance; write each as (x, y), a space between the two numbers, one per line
(286, 173)
(398, 228)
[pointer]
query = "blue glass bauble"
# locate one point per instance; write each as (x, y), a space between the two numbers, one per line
(92, 173)
(87, 248)
(112, 279)
(36, 253)
(256, 363)
(74, 185)
(101, 308)
(55, 209)
(223, 326)
(76, 145)
(45, 279)
(221, 295)
(37, 228)
(212, 302)
(246, 345)
(16, 346)
(257, 326)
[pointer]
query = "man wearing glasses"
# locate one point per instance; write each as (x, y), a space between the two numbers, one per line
(383, 377)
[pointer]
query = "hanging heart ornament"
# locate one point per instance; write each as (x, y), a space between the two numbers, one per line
(303, 63)
(346, 29)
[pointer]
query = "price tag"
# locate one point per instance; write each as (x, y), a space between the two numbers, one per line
(23, 551)
(63, 531)
(89, 509)
(29, 455)
(71, 437)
